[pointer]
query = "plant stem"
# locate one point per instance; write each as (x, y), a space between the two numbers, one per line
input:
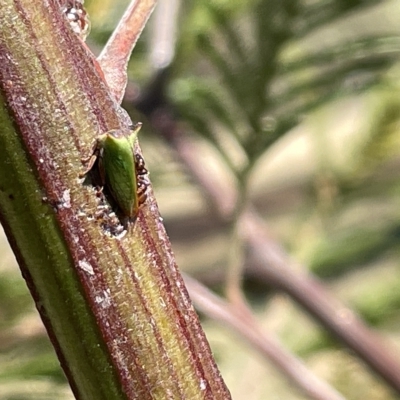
(116, 308)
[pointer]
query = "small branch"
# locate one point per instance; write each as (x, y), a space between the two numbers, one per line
(274, 265)
(115, 55)
(243, 322)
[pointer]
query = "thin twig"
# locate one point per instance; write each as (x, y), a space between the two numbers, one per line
(116, 53)
(243, 322)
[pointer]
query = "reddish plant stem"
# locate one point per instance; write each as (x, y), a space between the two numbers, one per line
(116, 307)
(116, 53)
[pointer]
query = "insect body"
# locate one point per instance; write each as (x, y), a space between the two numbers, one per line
(77, 17)
(120, 170)
(142, 182)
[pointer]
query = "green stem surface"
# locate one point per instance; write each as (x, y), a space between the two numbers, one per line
(116, 309)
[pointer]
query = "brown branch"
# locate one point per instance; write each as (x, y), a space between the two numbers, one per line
(270, 262)
(243, 322)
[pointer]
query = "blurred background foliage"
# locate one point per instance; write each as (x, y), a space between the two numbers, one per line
(297, 103)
